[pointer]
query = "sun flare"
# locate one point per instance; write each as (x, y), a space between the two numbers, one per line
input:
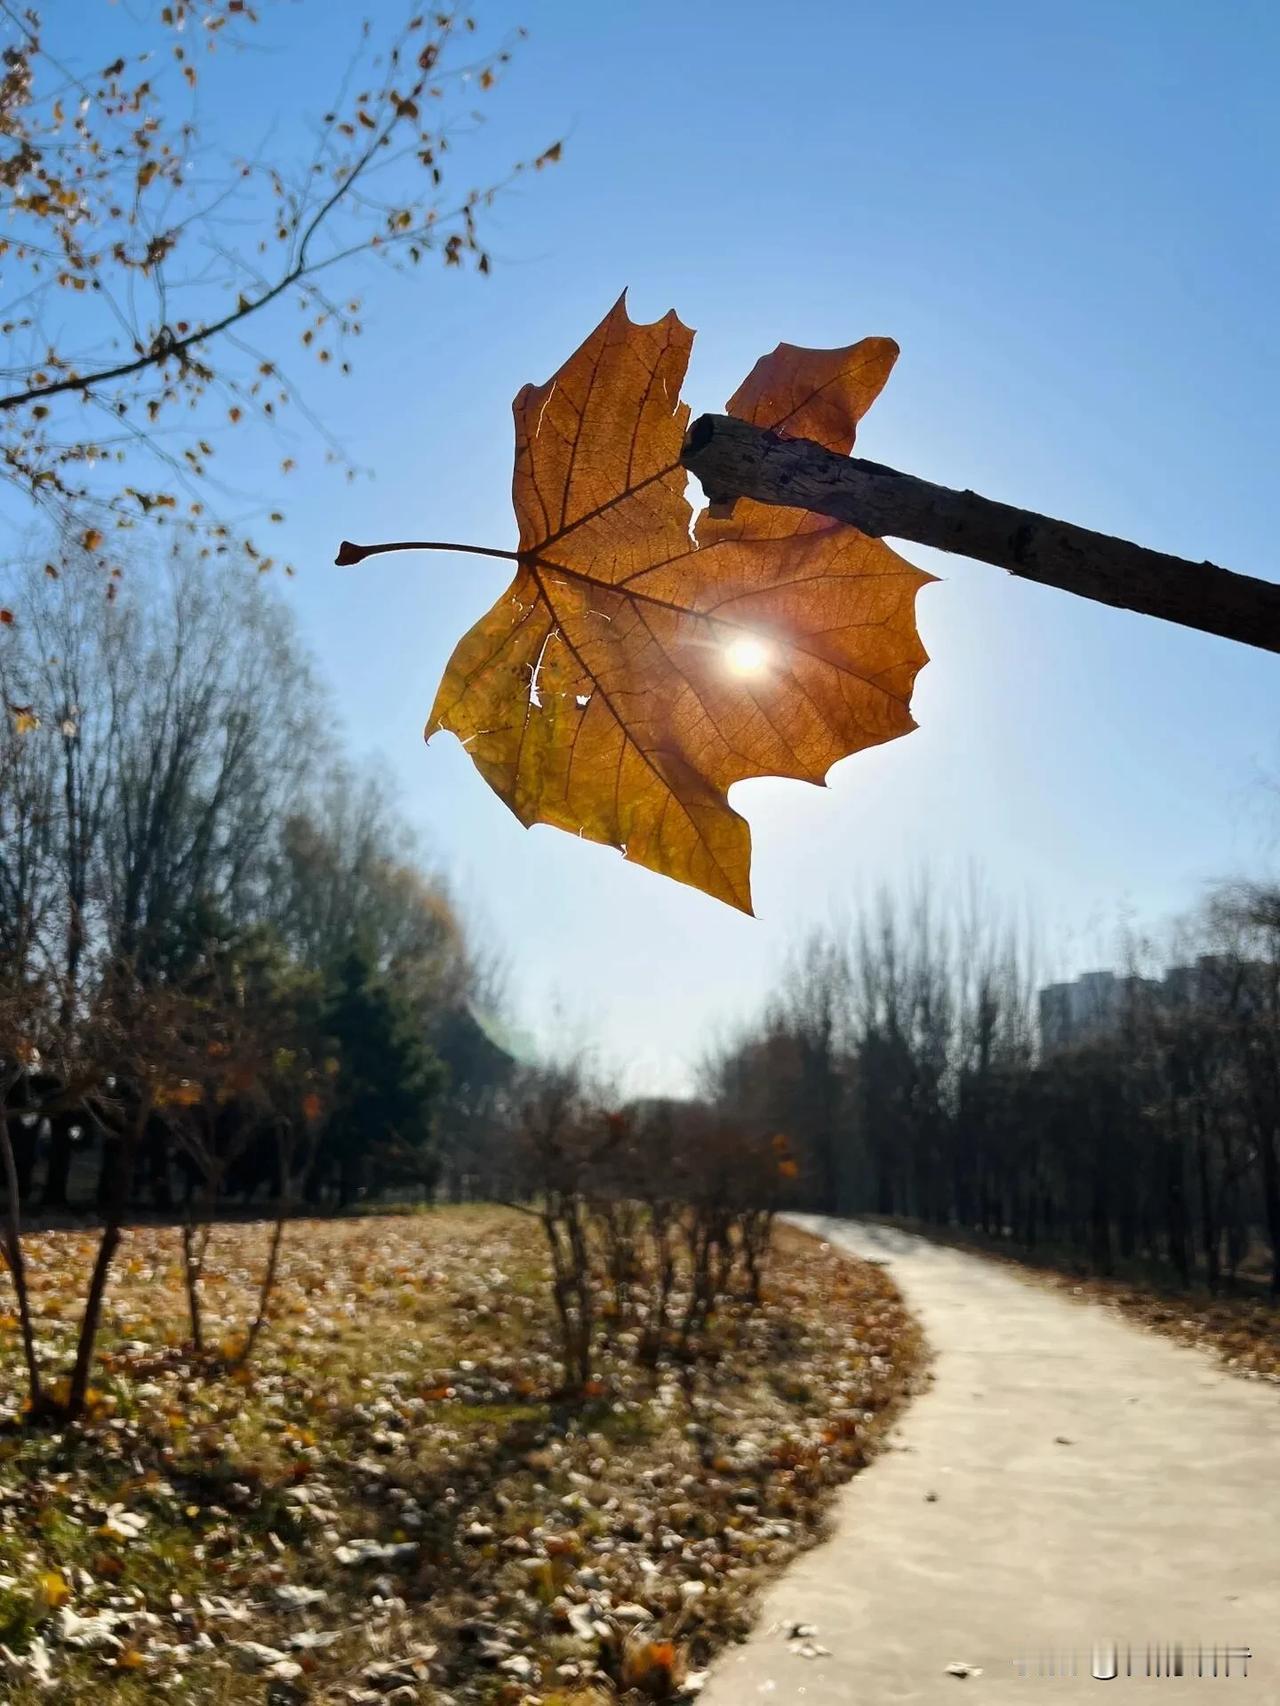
(746, 656)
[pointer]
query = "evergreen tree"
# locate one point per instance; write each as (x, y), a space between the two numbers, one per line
(382, 1129)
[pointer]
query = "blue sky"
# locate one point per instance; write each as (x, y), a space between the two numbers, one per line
(1067, 218)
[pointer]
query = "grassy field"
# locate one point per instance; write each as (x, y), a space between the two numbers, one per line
(393, 1505)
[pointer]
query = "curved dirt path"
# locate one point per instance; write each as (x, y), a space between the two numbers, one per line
(1092, 1481)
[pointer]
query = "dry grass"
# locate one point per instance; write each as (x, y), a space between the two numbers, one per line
(405, 1398)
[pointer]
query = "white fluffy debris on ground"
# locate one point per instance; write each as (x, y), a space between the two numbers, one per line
(394, 1503)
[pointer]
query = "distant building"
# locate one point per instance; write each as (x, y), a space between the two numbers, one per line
(1091, 1006)
(1094, 1004)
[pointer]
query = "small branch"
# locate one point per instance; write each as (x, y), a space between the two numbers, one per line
(518, 1207)
(733, 459)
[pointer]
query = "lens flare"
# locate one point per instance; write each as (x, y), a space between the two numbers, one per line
(746, 656)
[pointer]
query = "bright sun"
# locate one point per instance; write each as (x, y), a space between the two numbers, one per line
(746, 656)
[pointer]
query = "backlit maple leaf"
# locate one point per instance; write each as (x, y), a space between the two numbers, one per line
(634, 670)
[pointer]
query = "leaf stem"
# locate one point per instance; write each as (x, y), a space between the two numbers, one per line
(349, 553)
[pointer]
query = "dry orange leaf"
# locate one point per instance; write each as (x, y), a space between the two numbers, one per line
(52, 1590)
(653, 1667)
(632, 673)
(637, 667)
(182, 1093)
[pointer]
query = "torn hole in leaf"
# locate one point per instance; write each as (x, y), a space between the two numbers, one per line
(696, 499)
(535, 698)
(582, 700)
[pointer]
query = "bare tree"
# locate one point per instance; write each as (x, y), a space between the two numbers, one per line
(564, 1138)
(147, 268)
(211, 740)
(1152, 1133)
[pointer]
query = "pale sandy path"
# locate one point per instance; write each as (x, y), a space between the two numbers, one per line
(1159, 1521)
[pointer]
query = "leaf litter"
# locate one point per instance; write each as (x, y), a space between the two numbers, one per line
(395, 1504)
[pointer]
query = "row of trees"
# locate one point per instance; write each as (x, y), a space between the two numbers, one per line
(905, 1058)
(174, 815)
(223, 968)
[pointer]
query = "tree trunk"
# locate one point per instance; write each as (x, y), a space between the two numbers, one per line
(22, 1147)
(17, 1265)
(108, 1244)
(114, 1198)
(1176, 1212)
(157, 1157)
(284, 1208)
(57, 1174)
(194, 1245)
(1271, 1200)
(1208, 1222)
